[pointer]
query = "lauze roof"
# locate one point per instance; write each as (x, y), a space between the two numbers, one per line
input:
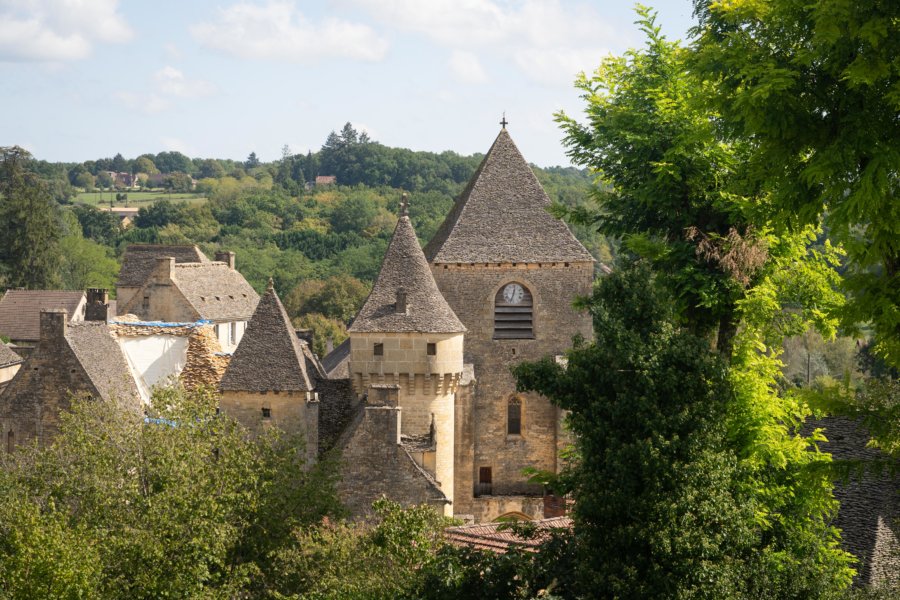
(140, 260)
(502, 216)
(216, 291)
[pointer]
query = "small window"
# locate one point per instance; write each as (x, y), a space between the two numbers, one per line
(431, 349)
(233, 338)
(513, 313)
(485, 486)
(379, 349)
(146, 303)
(266, 413)
(514, 417)
(10, 442)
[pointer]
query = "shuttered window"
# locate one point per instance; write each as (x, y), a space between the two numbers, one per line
(513, 313)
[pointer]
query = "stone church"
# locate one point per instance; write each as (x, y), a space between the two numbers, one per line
(435, 340)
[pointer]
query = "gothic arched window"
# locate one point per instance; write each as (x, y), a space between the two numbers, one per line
(513, 313)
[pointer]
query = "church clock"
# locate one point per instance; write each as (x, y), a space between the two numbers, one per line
(513, 293)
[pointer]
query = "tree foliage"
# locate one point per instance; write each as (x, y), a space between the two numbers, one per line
(29, 225)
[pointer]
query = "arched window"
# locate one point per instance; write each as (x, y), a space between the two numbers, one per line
(514, 417)
(513, 313)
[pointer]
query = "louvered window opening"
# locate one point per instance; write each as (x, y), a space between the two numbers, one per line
(514, 321)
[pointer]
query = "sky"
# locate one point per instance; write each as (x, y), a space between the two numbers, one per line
(84, 79)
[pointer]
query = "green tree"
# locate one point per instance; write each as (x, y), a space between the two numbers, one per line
(85, 181)
(323, 329)
(659, 501)
(144, 164)
(815, 86)
(677, 194)
(86, 264)
(29, 225)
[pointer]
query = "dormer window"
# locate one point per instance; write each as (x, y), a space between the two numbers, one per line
(513, 313)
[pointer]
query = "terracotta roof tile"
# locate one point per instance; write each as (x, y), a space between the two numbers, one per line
(501, 216)
(494, 536)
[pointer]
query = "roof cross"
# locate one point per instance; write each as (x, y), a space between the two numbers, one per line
(404, 205)
(503, 121)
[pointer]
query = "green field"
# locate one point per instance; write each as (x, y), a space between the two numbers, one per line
(135, 198)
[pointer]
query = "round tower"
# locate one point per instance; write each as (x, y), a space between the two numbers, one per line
(406, 335)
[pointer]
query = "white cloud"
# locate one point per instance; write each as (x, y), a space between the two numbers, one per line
(549, 40)
(58, 30)
(278, 31)
(172, 82)
(168, 84)
(466, 67)
(145, 103)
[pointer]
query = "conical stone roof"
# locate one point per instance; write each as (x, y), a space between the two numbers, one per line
(405, 269)
(502, 216)
(270, 356)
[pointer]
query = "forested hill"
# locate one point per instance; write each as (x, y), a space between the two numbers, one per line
(278, 220)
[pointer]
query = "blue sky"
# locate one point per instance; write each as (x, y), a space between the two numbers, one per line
(81, 79)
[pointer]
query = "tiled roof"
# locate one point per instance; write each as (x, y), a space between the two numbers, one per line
(336, 363)
(7, 356)
(20, 310)
(216, 291)
(101, 358)
(140, 260)
(501, 216)
(404, 267)
(270, 355)
(490, 536)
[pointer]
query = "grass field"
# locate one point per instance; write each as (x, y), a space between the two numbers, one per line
(135, 198)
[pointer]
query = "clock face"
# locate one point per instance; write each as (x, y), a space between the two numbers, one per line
(513, 293)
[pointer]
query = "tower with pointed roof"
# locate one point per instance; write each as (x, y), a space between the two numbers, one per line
(510, 271)
(407, 338)
(267, 382)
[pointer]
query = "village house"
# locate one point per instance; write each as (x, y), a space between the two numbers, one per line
(157, 284)
(20, 311)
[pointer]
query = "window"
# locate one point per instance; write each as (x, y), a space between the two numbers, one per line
(514, 417)
(267, 413)
(233, 338)
(484, 486)
(146, 303)
(513, 313)
(431, 349)
(10, 442)
(379, 349)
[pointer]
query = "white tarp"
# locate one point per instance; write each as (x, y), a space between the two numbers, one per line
(154, 359)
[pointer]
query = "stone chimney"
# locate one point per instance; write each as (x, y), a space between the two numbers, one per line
(165, 270)
(97, 305)
(400, 305)
(53, 325)
(226, 257)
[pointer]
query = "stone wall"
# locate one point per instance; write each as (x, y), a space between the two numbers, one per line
(470, 290)
(292, 412)
(31, 404)
(869, 514)
(374, 464)
(337, 401)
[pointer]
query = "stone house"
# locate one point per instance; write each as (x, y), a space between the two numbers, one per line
(9, 364)
(140, 260)
(70, 359)
(270, 380)
(20, 312)
(187, 292)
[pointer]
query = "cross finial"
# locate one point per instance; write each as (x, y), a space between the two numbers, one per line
(404, 205)
(503, 121)
(271, 285)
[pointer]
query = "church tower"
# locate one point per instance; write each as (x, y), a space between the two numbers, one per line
(407, 338)
(510, 271)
